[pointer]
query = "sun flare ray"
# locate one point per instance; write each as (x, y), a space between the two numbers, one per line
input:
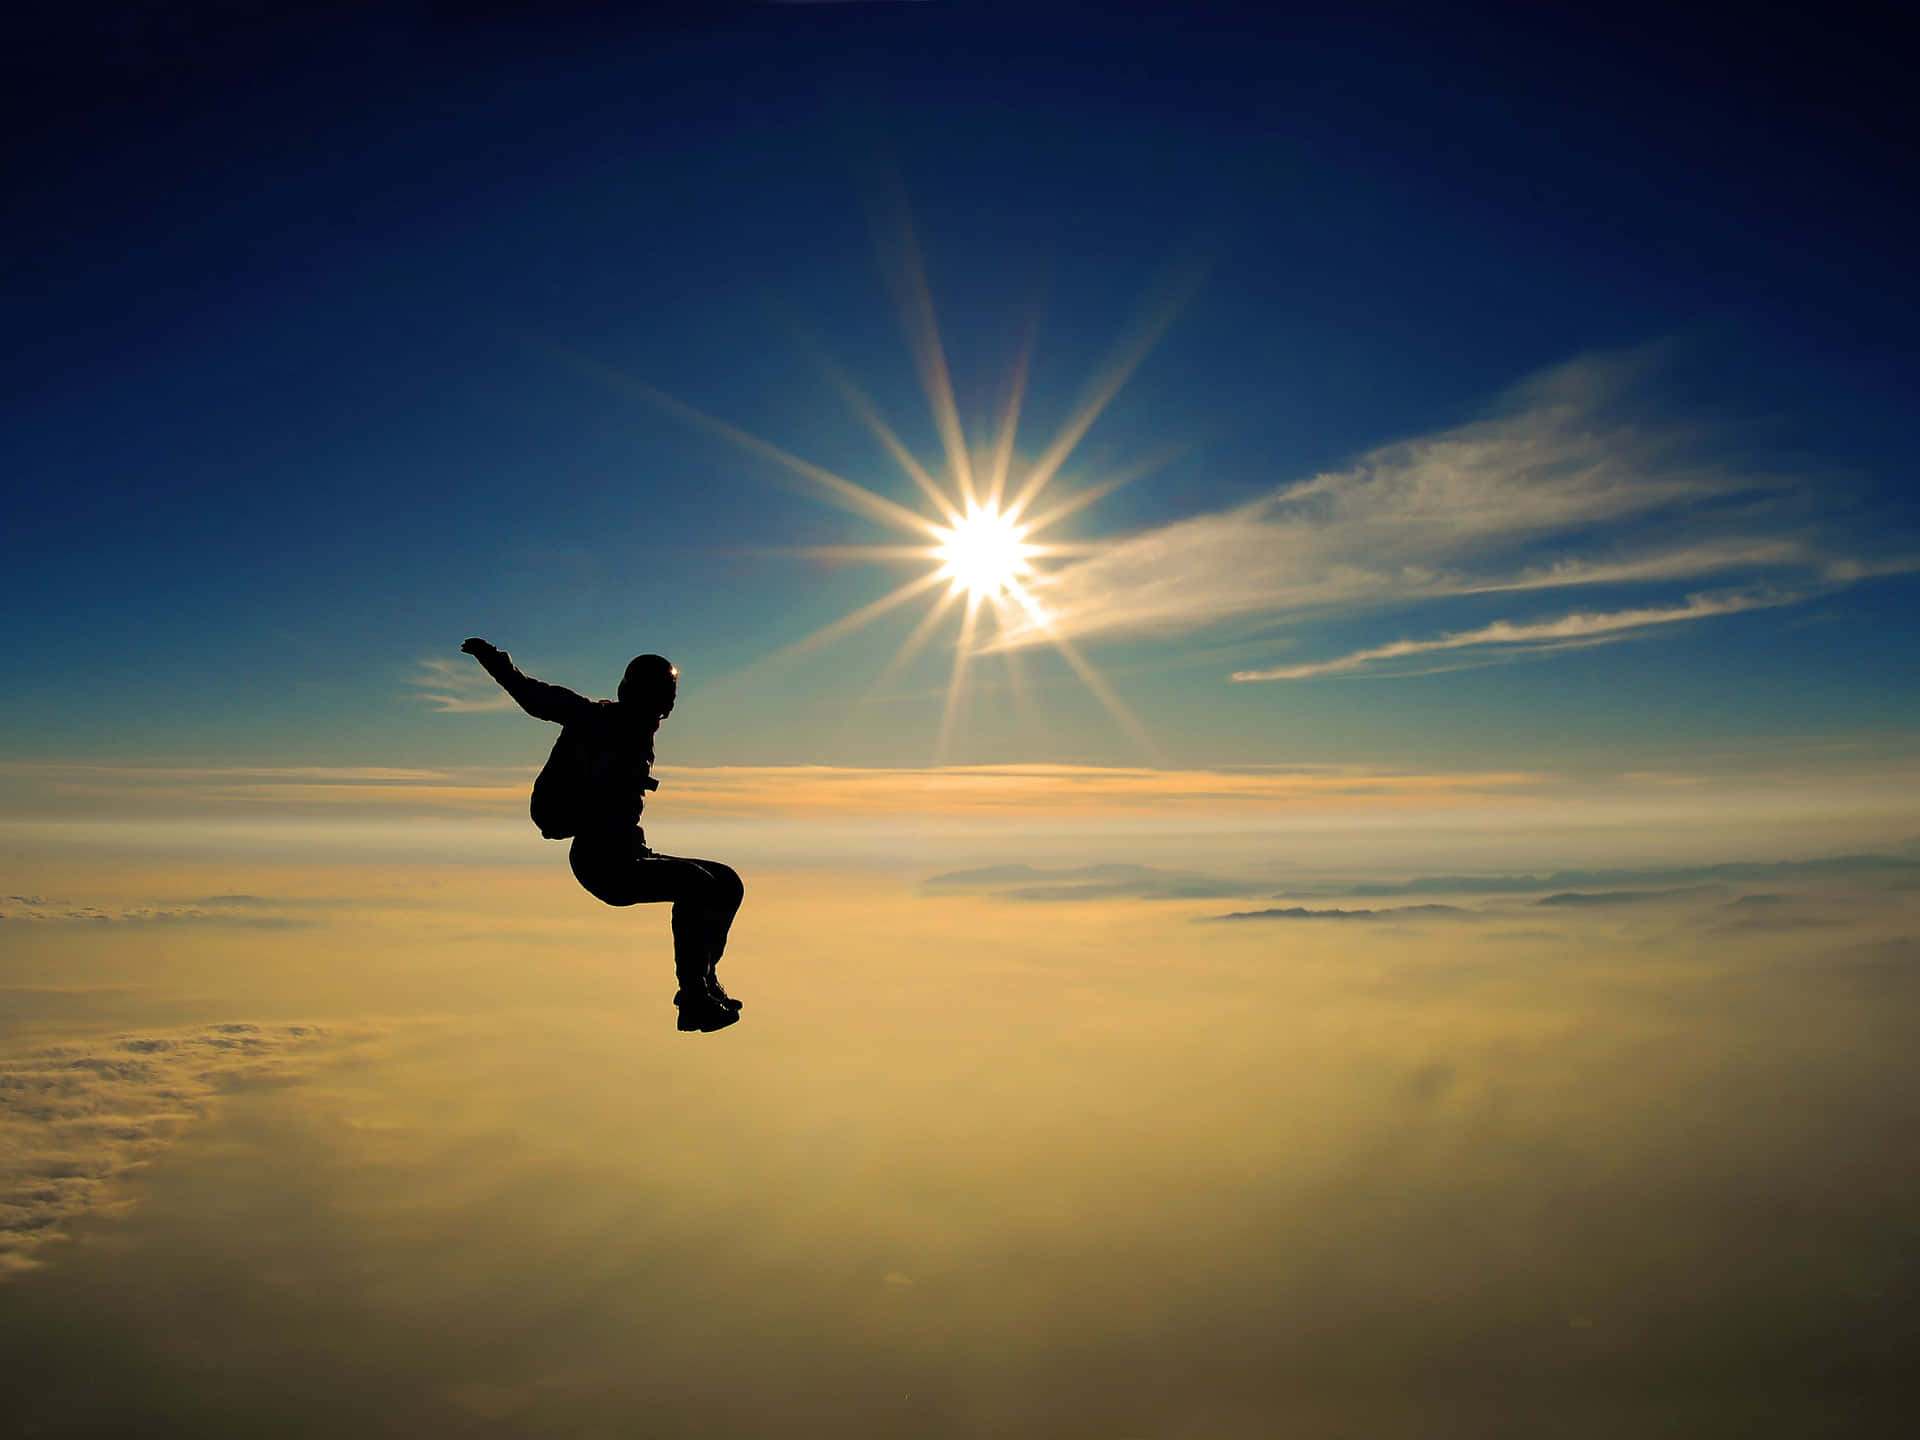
(1090, 677)
(856, 552)
(1108, 383)
(957, 682)
(1021, 691)
(915, 642)
(858, 619)
(869, 415)
(908, 274)
(1106, 487)
(1010, 422)
(840, 490)
(983, 550)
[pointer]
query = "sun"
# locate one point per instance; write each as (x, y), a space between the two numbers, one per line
(984, 553)
(983, 537)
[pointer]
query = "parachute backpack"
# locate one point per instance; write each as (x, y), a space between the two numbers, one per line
(560, 802)
(557, 790)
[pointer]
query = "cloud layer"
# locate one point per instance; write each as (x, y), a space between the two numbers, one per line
(757, 791)
(1092, 882)
(248, 912)
(1301, 912)
(1065, 1169)
(75, 1118)
(1822, 889)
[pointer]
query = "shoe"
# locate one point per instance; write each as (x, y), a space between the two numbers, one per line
(714, 993)
(719, 996)
(703, 1014)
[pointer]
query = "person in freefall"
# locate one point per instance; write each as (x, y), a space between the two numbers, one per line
(593, 789)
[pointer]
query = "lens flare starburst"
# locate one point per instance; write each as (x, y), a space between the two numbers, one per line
(984, 553)
(984, 540)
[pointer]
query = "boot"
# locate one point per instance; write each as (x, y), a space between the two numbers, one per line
(701, 1012)
(719, 996)
(710, 983)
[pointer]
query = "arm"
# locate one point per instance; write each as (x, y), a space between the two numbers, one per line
(536, 697)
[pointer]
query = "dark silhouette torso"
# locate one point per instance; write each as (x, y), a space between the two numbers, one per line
(613, 746)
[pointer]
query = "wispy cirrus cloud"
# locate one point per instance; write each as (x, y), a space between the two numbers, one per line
(1578, 628)
(1577, 479)
(457, 687)
(1687, 563)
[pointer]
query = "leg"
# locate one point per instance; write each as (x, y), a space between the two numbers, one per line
(705, 895)
(727, 894)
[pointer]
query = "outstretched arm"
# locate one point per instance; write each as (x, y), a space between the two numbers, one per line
(536, 697)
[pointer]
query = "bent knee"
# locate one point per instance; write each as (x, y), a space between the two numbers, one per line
(604, 893)
(605, 881)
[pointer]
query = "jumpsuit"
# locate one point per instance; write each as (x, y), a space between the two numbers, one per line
(610, 857)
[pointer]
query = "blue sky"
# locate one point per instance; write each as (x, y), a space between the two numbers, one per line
(1514, 643)
(292, 410)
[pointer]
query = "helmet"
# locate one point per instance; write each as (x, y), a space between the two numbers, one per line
(650, 684)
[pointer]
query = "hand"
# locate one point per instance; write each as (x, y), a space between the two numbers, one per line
(475, 646)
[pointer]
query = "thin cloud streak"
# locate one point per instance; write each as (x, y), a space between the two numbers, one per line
(1578, 628)
(1300, 912)
(1682, 564)
(458, 687)
(1765, 781)
(768, 792)
(1570, 465)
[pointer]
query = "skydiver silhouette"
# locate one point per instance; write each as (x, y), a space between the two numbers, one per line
(593, 790)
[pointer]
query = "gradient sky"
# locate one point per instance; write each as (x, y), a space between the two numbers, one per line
(1423, 941)
(1591, 344)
